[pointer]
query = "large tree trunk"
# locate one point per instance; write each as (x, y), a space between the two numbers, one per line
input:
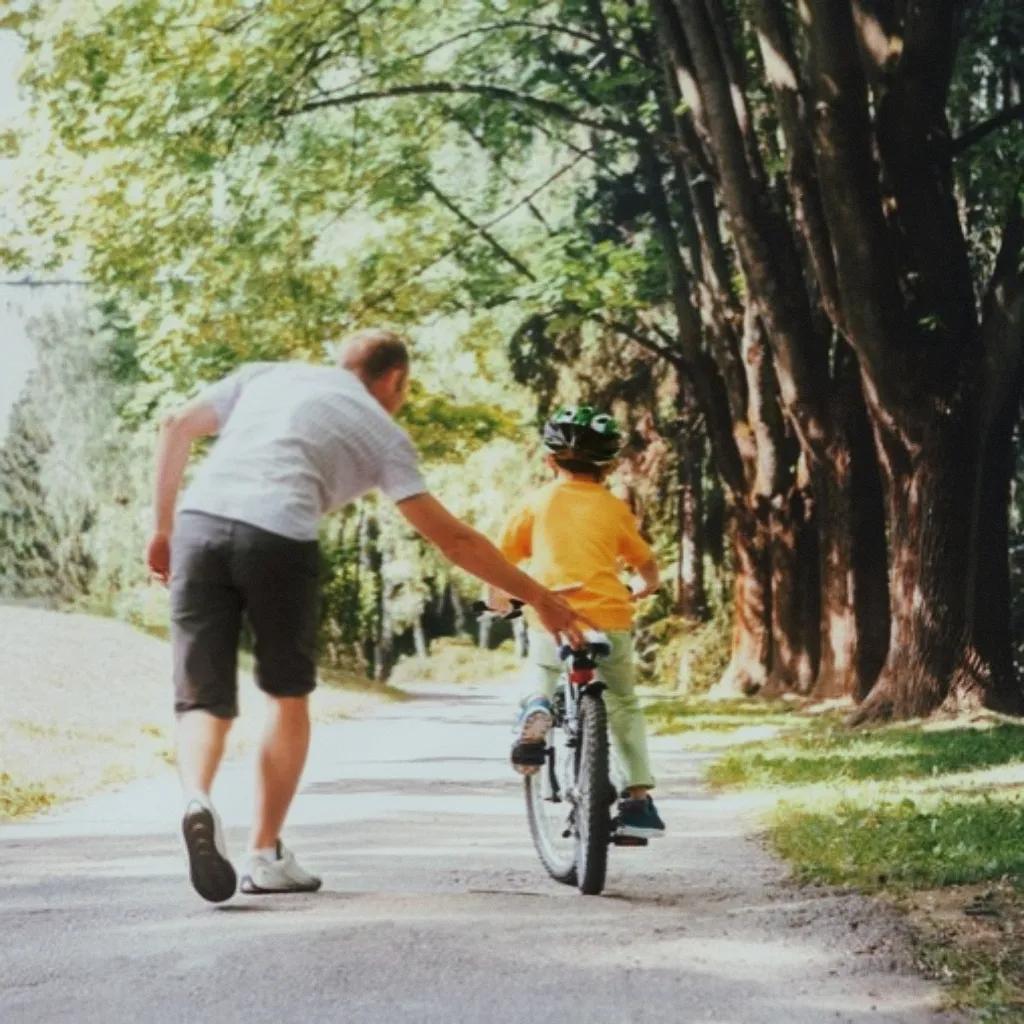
(854, 588)
(991, 639)
(794, 595)
(748, 667)
(932, 478)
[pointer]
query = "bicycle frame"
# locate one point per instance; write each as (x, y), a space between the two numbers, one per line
(580, 676)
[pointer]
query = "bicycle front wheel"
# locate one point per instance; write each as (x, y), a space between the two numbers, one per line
(593, 821)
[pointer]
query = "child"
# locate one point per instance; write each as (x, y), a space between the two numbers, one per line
(574, 530)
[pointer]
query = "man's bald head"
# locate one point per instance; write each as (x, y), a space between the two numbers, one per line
(372, 353)
(380, 359)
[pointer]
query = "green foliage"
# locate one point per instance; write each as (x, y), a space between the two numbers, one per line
(690, 655)
(29, 538)
(76, 492)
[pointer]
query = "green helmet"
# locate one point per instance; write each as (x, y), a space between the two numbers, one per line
(581, 432)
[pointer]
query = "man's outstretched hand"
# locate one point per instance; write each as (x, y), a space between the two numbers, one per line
(557, 616)
(158, 556)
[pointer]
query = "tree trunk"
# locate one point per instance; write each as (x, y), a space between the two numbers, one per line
(794, 594)
(854, 585)
(747, 671)
(691, 600)
(991, 630)
(932, 478)
(419, 638)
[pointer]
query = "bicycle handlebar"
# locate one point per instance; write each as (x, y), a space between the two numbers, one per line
(481, 608)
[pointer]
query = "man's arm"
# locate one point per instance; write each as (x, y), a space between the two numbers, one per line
(177, 432)
(473, 552)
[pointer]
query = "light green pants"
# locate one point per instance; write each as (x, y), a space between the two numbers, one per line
(625, 719)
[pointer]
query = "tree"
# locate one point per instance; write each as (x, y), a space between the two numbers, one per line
(772, 207)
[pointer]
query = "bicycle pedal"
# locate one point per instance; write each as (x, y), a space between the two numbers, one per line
(629, 840)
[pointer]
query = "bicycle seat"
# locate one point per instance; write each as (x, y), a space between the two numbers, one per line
(597, 645)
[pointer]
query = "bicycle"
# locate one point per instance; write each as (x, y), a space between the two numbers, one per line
(569, 795)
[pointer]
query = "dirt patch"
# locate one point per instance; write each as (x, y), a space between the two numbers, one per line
(87, 704)
(973, 936)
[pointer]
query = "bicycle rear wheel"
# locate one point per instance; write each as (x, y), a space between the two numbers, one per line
(593, 821)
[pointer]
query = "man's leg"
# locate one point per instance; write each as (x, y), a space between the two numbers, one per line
(281, 760)
(281, 584)
(206, 613)
(200, 746)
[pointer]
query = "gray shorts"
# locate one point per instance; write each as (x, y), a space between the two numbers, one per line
(222, 570)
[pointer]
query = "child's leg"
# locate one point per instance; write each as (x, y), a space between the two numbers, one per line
(542, 669)
(625, 719)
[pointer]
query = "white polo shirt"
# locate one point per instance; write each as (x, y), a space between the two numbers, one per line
(295, 442)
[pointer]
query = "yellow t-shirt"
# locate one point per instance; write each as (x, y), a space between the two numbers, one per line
(577, 531)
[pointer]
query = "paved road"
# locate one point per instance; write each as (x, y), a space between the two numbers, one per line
(434, 908)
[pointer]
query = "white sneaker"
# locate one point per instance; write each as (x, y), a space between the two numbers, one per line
(283, 874)
(211, 872)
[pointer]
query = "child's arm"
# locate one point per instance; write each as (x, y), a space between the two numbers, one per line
(651, 576)
(515, 544)
(637, 554)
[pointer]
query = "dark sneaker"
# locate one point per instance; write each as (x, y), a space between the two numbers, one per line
(211, 872)
(639, 819)
(530, 747)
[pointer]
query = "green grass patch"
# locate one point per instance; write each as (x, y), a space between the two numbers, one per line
(829, 753)
(921, 813)
(18, 800)
(920, 843)
(672, 715)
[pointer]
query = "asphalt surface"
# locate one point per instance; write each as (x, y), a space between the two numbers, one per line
(434, 907)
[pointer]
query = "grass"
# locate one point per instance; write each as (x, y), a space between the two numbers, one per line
(929, 815)
(829, 753)
(19, 800)
(909, 843)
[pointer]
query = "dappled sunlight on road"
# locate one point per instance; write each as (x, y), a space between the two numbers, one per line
(434, 906)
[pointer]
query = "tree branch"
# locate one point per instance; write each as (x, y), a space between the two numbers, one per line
(479, 229)
(497, 92)
(979, 131)
(642, 339)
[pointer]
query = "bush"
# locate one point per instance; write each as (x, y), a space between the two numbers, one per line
(458, 660)
(689, 656)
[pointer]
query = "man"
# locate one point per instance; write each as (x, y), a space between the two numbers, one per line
(295, 441)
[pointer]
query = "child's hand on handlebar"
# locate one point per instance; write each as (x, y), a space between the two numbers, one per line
(498, 601)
